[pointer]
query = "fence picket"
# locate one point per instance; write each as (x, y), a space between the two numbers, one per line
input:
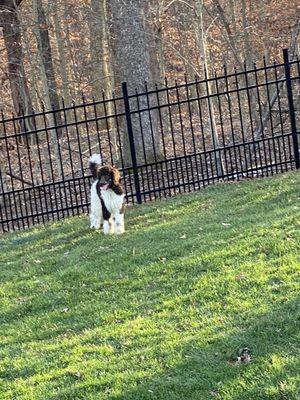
(287, 70)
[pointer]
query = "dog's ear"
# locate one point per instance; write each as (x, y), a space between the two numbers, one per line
(99, 170)
(95, 169)
(116, 176)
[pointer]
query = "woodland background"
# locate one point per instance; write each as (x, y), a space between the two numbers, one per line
(53, 49)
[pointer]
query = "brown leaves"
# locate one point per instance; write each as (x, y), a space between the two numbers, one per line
(240, 277)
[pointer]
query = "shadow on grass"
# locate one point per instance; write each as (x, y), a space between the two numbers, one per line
(211, 371)
(208, 370)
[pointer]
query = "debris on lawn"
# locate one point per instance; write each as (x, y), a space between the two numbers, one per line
(244, 356)
(240, 277)
(76, 374)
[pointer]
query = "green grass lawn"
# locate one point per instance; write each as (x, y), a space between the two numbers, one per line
(162, 311)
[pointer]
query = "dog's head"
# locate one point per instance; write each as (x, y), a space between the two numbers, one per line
(108, 177)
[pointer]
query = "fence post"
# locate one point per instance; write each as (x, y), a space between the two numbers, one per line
(131, 143)
(287, 71)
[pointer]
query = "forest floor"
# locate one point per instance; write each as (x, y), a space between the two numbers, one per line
(199, 299)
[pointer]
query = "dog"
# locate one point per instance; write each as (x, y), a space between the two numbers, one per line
(107, 197)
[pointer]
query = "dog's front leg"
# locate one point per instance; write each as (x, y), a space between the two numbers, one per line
(96, 217)
(96, 220)
(108, 226)
(119, 223)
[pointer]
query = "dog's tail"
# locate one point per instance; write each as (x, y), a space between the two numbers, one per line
(95, 162)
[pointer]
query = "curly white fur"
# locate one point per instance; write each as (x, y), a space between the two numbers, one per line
(96, 217)
(95, 158)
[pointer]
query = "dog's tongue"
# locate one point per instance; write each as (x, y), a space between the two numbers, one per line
(104, 187)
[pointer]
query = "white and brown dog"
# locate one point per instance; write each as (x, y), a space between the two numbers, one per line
(107, 198)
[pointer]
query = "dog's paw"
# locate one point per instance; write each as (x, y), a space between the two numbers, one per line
(110, 232)
(108, 228)
(119, 231)
(96, 227)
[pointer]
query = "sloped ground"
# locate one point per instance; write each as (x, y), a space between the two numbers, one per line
(162, 311)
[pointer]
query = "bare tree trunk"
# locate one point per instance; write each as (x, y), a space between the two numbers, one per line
(158, 31)
(3, 184)
(132, 63)
(201, 44)
(16, 74)
(263, 26)
(101, 70)
(248, 50)
(248, 57)
(62, 54)
(44, 47)
(232, 13)
(37, 99)
(46, 88)
(73, 68)
(63, 68)
(97, 25)
(3, 180)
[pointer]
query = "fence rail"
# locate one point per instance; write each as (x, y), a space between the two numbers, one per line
(169, 139)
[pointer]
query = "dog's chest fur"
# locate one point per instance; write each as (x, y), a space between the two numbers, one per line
(113, 202)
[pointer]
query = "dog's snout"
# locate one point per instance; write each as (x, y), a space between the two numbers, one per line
(103, 180)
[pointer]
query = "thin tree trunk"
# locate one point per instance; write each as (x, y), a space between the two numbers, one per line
(44, 48)
(249, 58)
(248, 51)
(263, 26)
(3, 170)
(16, 74)
(201, 44)
(159, 44)
(101, 71)
(97, 25)
(74, 73)
(47, 95)
(159, 65)
(63, 67)
(232, 13)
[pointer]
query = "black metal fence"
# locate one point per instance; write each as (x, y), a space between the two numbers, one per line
(166, 140)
